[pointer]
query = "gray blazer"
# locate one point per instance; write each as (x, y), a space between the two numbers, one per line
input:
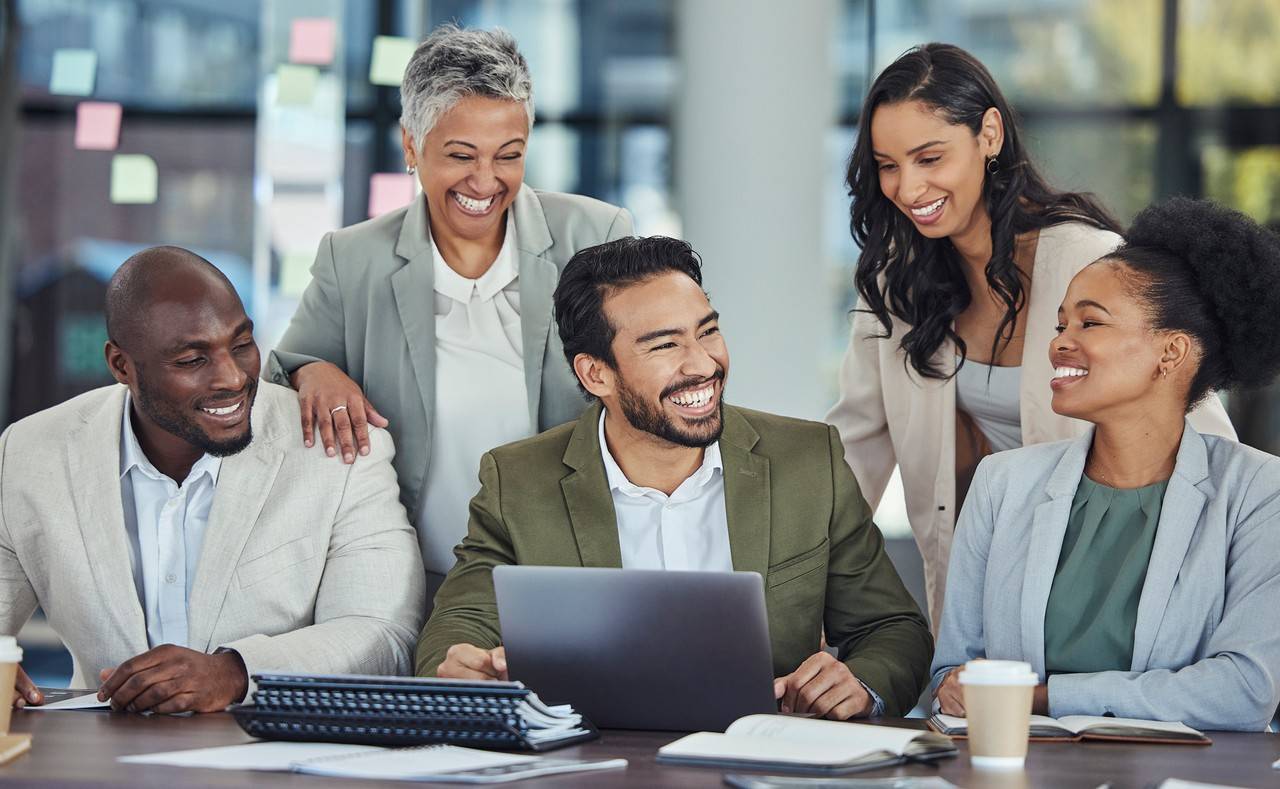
(1207, 640)
(369, 310)
(307, 564)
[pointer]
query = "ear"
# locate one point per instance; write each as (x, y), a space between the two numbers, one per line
(991, 133)
(594, 375)
(119, 363)
(1178, 351)
(406, 142)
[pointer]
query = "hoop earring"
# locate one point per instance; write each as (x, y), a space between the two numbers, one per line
(993, 165)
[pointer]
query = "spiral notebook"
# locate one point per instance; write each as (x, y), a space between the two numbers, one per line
(394, 711)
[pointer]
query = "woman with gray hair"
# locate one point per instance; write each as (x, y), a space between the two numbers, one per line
(440, 313)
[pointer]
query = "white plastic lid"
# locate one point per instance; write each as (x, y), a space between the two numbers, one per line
(998, 672)
(10, 652)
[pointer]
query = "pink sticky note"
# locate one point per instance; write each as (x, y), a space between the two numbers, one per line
(311, 41)
(97, 125)
(389, 191)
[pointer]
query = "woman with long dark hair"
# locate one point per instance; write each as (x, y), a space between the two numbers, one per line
(966, 254)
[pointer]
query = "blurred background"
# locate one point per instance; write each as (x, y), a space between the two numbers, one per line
(248, 128)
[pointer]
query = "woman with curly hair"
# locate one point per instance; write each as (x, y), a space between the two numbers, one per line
(966, 253)
(1135, 566)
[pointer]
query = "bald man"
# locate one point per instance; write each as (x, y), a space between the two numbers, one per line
(175, 529)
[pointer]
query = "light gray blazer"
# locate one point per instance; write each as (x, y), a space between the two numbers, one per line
(1207, 640)
(369, 310)
(307, 565)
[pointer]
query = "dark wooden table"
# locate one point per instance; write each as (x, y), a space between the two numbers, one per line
(76, 749)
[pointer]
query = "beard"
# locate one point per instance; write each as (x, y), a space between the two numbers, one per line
(653, 419)
(183, 425)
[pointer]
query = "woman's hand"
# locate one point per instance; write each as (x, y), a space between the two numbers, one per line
(951, 695)
(333, 404)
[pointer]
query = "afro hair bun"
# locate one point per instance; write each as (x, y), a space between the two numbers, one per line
(1235, 263)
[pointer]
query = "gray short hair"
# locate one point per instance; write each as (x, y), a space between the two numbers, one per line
(453, 63)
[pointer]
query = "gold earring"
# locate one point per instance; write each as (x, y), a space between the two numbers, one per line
(1164, 372)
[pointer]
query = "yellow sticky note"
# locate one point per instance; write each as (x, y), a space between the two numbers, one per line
(133, 178)
(295, 273)
(390, 57)
(296, 84)
(73, 72)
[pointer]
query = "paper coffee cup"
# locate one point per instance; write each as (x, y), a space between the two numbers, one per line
(10, 657)
(997, 702)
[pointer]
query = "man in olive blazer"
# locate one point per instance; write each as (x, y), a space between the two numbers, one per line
(791, 506)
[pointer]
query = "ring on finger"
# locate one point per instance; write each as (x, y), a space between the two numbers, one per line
(336, 409)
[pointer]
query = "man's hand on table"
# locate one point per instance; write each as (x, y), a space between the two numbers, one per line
(950, 696)
(464, 661)
(25, 691)
(171, 679)
(824, 687)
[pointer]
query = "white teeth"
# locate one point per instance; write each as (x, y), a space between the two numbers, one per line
(231, 409)
(932, 208)
(694, 399)
(471, 205)
(1069, 372)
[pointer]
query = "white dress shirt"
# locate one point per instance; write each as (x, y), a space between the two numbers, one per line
(688, 530)
(166, 524)
(481, 398)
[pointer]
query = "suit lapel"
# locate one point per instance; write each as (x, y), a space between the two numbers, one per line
(746, 494)
(243, 484)
(93, 458)
(1184, 501)
(587, 496)
(413, 285)
(538, 277)
(1049, 526)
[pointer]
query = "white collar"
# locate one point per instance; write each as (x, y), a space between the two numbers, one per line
(131, 454)
(489, 284)
(618, 481)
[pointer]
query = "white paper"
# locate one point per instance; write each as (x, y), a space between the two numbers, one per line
(88, 701)
(412, 763)
(1177, 783)
(276, 756)
(854, 739)
(1082, 723)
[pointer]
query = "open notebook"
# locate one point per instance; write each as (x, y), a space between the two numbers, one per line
(777, 742)
(1071, 728)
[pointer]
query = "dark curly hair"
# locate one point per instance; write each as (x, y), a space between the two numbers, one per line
(924, 284)
(592, 273)
(1213, 273)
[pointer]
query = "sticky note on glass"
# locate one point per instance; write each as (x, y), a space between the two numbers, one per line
(133, 178)
(295, 272)
(73, 72)
(296, 85)
(97, 125)
(311, 41)
(389, 191)
(390, 57)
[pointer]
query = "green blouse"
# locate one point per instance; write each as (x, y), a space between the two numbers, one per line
(1093, 605)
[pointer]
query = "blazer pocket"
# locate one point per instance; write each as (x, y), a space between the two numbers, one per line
(796, 566)
(275, 561)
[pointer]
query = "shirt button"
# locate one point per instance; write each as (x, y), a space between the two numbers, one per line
(170, 578)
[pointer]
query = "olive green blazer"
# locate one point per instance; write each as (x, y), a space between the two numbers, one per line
(795, 516)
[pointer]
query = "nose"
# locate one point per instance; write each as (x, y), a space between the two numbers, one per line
(911, 185)
(1063, 342)
(698, 363)
(483, 179)
(225, 374)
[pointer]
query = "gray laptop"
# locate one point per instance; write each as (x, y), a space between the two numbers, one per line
(639, 649)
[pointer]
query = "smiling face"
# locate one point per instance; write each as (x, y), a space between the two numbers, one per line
(471, 166)
(670, 360)
(933, 170)
(1107, 359)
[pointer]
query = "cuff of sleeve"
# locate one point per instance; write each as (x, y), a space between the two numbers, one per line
(877, 703)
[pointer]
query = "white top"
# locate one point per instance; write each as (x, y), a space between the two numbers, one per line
(688, 530)
(481, 398)
(990, 394)
(166, 524)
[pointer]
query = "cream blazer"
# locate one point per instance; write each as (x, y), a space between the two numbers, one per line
(889, 415)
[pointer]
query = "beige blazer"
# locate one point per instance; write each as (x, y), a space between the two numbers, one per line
(308, 564)
(888, 415)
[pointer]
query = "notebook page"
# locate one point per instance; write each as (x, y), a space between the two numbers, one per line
(756, 748)
(854, 739)
(1079, 723)
(277, 756)
(962, 724)
(410, 763)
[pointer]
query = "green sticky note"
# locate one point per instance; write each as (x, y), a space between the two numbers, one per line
(295, 273)
(73, 72)
(296, 85)
(390, 57)
(133, 178)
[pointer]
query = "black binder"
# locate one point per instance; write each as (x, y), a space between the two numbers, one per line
(397, 711)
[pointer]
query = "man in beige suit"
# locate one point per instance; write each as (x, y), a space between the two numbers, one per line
(176, 531)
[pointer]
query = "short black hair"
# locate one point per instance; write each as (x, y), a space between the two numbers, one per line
(1213, 273)
(129, 291)
(594, 272)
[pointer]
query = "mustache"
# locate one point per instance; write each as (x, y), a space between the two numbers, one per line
(228, 400)
(718, 375)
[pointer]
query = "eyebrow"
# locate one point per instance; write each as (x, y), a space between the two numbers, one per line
(914, 150)
(203, 345)
(473, 147)
(653, 335)
(1091, 303)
